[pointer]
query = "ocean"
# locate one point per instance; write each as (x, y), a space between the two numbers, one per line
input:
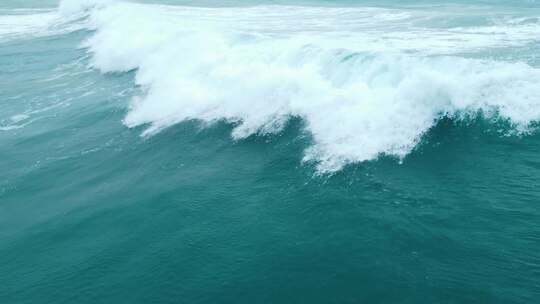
(241, 151)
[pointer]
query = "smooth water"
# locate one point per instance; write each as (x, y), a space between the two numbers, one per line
(269, 151)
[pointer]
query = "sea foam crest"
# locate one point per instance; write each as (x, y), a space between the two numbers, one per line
(29, 23)
(361, 89)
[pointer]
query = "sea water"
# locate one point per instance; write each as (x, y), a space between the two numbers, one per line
(269, 151)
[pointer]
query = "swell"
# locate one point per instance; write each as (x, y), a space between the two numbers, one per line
(365, 81)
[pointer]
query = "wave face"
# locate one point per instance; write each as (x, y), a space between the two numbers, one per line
(366, 81)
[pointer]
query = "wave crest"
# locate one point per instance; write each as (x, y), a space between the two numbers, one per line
(360, 95)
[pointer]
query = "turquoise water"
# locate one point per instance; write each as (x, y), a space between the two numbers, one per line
(269, 152)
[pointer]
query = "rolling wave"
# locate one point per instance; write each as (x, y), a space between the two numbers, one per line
(366, 81)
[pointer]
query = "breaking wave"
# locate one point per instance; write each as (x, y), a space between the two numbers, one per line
(366, 81)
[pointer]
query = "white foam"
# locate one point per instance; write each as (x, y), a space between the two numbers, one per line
(16, 24)
(366, 81)
(20, 24)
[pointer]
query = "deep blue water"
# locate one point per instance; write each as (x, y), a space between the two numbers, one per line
(269, 152)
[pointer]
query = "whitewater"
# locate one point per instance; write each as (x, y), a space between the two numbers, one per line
(366, 81)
